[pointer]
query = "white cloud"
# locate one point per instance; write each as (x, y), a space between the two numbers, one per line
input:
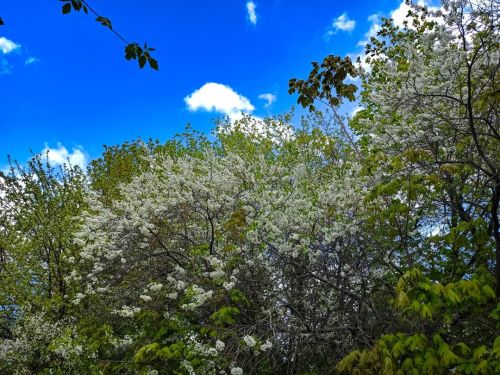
(270, 98)
(344, 23)
(7, 46)
(31, 60)
(252, 16)
(216, 97)
(61, 156)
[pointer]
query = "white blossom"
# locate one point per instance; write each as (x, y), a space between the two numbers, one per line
(249, 341)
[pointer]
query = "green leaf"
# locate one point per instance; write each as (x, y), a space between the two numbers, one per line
(450, 294)
(483, 368)
(153, 63)
(402, 300)
(77, 4)
(448, 358)
(462, 349)
(105, 22)
(349, 361)
(407, 364)
(66, 8)
(142, 61)
(131, 51)
(488, 292)
(224, 315)
(398, 349)
(425, 312)
(480, 352)
(431, 365)
(146, 349)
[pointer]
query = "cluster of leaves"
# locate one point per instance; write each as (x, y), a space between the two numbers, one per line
(439, 350)
(327, 84)
(77, 5)
(132, 50)
(277, 250)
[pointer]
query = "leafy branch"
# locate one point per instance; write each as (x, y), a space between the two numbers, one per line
(324, 77)
(133, 51)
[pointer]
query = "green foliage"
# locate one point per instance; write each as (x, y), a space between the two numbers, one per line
(132, 50)
(143, 55)
(104, 21)
(77, 5)
(326, 84)
(224, 315)
(269, 249)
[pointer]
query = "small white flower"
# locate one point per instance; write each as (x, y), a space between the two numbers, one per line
(145, 297)
(213, 352)
(180, 284)
(266, 346)
(249, 341)
(78, 298)
(236, 371)
(172, 295)
(219, 345)
(155, 287)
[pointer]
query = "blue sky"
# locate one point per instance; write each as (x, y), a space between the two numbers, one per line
(65, 85)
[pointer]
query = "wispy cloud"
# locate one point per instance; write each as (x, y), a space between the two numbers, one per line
(341, 23)
(31, 60)
(270, 98)
(216, 97)
(252, 15)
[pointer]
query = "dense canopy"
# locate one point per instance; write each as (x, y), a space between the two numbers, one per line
(368, 245)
